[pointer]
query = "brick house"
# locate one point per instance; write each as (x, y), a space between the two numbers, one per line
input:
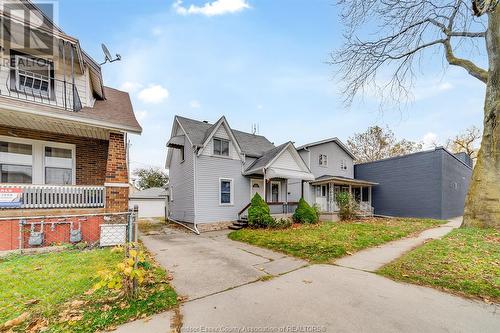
(63, 133)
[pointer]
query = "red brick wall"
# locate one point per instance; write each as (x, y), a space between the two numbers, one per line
(91, 154)
(59, 234)
(117, 172)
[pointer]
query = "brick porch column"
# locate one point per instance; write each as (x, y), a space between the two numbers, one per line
(116, 175)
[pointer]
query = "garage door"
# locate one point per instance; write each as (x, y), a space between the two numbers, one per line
(149, 208)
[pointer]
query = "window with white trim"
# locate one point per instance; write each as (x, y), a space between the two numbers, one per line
(58, 166)
(33, 75)
(221, 147)
(226, 192)
(343, 165)
(323, 160)
(16, 162)
(25, 161)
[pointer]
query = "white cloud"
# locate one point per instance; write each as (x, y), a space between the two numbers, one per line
(213, 8)
(141, 114)
(130, 86)
(153, 94)
(430, 140)
(195, 104)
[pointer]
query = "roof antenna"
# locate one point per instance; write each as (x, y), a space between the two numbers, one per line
(108, 57)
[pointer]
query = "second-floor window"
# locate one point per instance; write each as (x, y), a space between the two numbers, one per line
(323, 160)
(343, 165)
(33, 76)
(221, 147)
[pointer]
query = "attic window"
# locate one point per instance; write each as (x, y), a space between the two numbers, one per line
(323, 160)
(221, 147)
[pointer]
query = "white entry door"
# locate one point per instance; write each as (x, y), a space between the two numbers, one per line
(321, 197)
(256, 186)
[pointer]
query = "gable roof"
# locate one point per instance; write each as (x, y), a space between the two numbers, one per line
(336, 140)
(197, 132)
(267, 157)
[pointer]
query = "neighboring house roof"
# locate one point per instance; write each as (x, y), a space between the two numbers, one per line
(421, 152)
(340, 179)
(150, 193)
(198, 131)
(336, 140)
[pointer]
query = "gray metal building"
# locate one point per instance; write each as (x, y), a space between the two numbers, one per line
(430, 184)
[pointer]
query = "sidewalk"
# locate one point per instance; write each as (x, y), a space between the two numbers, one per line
(374, 258)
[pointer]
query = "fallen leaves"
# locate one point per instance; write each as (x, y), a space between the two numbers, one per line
(16, 321)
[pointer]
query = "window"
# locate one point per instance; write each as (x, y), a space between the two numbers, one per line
(33, 76)
(181, 154)
(221, 147)
(24, 161)
(323, 160)
(343, 165)
(58, 166)
(16, 163)
(225, 191)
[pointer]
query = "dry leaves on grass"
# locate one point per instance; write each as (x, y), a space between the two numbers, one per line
(16, 321)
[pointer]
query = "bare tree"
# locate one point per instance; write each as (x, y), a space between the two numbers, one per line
(377, 143)
(466, 141)
(405, 31)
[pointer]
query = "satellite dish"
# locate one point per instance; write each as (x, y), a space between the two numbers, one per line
(107, 55)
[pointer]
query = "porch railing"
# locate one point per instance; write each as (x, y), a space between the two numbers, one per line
(58, 196)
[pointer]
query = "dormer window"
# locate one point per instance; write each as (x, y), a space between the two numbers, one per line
(33, 76)
(323, 160)
(221, 147)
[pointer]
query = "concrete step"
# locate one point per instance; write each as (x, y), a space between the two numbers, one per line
(235, 227)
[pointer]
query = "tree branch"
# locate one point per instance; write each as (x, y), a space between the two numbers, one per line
(468, 65)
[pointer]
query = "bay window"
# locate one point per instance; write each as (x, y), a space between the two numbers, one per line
(24, 161)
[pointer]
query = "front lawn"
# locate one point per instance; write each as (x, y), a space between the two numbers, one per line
(52, 291)
(466, 262)
(323, 242)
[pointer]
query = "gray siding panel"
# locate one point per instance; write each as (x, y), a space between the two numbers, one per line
(409, 186)
(456, 179)
(418, 185)
(181, 175)
(335, 155)
(208, 172)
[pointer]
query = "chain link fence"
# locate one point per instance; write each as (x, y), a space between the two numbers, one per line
(48, 262)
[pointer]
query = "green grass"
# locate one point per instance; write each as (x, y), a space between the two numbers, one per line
(323, 242)
(44, 285)
(465, 262)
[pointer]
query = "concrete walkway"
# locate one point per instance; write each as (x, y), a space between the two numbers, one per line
(374, 258)
(226, 293)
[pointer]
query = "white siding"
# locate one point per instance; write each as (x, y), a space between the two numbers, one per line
(149, 207)
(335, 155)
(209, 170)
(286, 161)
(181, 176)
(222, 134)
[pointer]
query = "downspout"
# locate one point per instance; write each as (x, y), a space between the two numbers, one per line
(195, 188)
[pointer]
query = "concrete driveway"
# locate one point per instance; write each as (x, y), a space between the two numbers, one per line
(226, 293)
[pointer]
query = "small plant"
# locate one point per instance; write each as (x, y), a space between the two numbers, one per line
(305, 213)
(127, 275)
(347, 206)
(281, 223)
(259, 214)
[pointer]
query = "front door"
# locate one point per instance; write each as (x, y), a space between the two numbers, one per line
(322, 197)
(275, 191)
(257, 186)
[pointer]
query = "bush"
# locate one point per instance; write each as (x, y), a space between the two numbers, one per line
(305, 213)
(259, 215)
(347, 206)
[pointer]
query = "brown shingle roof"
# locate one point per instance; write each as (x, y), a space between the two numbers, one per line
(115, 109)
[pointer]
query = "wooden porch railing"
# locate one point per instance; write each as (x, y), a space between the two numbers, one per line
(56, 196)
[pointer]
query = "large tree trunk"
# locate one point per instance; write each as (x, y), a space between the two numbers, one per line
(482, 206)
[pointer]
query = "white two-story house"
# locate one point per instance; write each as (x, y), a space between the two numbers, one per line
(332, 165)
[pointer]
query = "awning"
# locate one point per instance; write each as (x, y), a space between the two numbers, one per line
(176, 141)
(288, 174)
(341, 181)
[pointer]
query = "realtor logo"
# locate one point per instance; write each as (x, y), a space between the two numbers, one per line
(11, 197)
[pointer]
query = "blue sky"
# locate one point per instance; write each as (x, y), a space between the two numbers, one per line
(261, 61)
